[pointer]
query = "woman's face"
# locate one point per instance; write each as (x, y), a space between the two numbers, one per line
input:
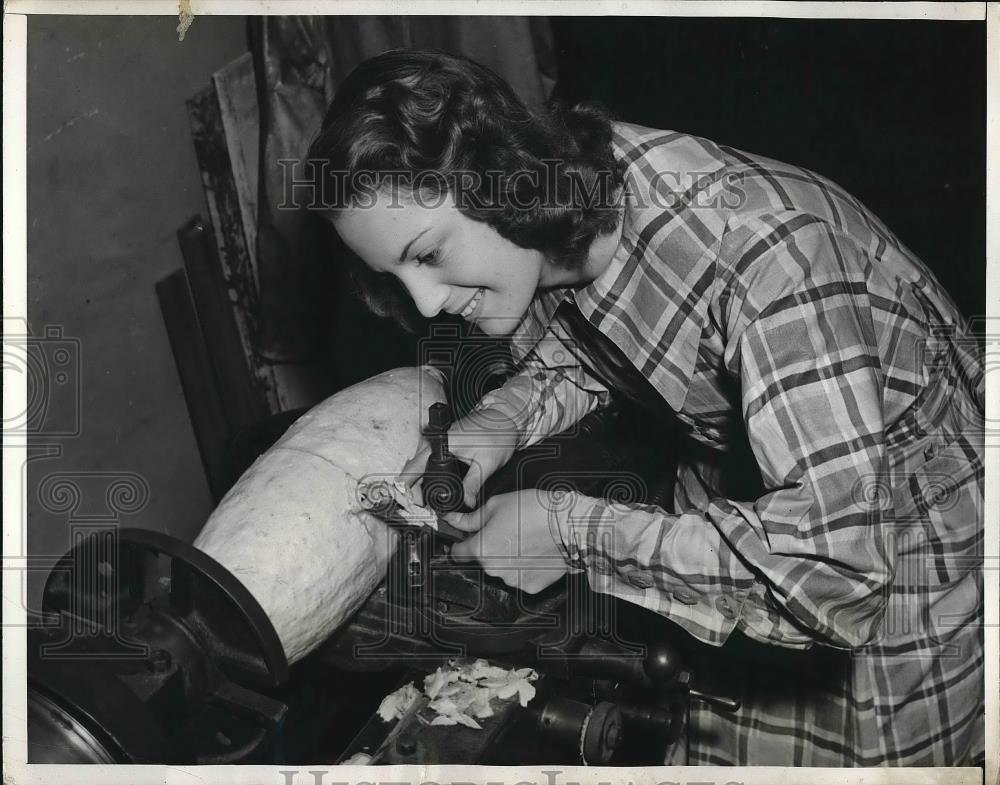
(446, 261)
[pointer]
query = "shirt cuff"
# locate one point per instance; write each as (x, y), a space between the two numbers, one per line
(594, 536)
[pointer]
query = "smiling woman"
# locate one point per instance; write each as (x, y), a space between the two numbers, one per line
(446, 187)
(445, 260)
(817, 373)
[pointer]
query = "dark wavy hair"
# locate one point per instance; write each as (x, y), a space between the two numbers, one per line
(547, 181)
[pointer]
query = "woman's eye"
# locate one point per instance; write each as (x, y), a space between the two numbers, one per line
(430, 257)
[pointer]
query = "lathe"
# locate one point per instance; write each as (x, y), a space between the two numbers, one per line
(155, 653)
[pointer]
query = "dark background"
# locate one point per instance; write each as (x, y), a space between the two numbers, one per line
(893, 111)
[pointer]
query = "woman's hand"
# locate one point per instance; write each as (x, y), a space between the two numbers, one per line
(485, 440)
(517, 540)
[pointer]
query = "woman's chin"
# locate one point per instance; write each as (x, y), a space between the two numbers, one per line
(496, 325)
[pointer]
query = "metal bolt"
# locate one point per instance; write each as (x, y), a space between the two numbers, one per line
(439, 416)
(406, 745)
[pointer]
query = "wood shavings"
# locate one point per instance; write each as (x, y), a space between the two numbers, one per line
(410, 510)
(396, 704)
(378, 495)
(462, 693)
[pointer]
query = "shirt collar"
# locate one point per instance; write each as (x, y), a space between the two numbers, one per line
(617, 301)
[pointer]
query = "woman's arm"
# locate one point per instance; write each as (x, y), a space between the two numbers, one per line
(809, 560)
(550, 393)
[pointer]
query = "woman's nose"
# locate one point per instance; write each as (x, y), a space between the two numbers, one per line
(428, 296)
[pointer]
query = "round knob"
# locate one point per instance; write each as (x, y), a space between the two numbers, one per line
(439, 417)
(661, 663)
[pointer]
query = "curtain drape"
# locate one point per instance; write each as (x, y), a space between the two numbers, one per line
(298, 63)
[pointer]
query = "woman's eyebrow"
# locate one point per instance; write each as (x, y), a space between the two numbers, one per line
(406, 250)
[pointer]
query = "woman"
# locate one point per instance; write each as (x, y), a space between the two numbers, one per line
(777, 319)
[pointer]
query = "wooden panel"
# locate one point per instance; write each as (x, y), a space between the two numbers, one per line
(225, 128)
(225, 214)
(197, 380)
(241, 404)
(236, 88)
(297, 382)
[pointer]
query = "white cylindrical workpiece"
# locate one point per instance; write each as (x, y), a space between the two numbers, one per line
(292, 530)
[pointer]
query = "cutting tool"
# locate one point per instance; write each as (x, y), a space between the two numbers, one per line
(379, 499)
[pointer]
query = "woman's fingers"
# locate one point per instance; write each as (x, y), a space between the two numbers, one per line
(464, 521)
(474, 520)
(472, 482)
(512, 541)
(415, 467)
(484, 449)
(466, 550)
(470, 548)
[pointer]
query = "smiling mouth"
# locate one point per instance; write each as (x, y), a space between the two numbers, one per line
(473, 304)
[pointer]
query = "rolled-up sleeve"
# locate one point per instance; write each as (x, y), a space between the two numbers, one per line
(808, 561)
(549, 394)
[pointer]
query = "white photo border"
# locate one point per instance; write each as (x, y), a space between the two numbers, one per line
(15, 768)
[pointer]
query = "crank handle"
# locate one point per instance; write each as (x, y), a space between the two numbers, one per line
(720, 702)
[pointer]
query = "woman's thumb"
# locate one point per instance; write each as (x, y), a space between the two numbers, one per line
(464, 551)
(465, 521)
(471, 484)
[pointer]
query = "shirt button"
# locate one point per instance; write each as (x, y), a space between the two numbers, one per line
(685, 598)
(640, 579)
(725, 607)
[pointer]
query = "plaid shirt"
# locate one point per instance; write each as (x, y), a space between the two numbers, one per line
(769, 309)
